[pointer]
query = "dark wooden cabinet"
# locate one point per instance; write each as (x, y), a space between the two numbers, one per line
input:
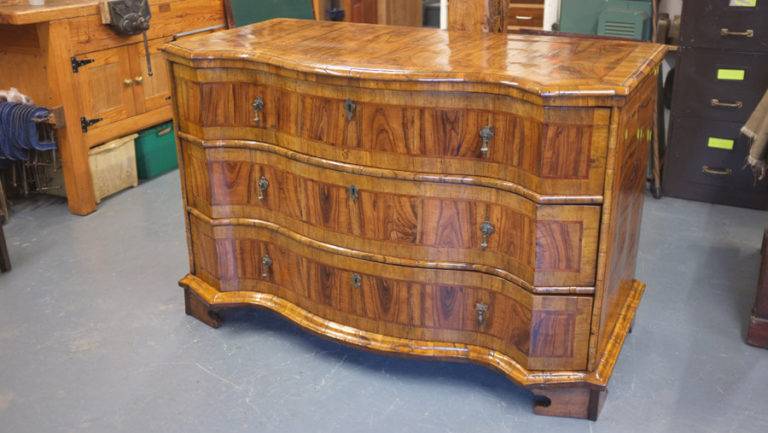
(721, 75)
(757, 333)
(436, 199)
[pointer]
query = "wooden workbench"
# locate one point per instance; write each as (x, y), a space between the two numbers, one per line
(62, 56)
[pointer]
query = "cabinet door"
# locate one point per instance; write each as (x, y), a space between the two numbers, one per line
(105, 86)
(150, 91)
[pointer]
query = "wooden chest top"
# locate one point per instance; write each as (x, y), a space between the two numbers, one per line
(543, 65)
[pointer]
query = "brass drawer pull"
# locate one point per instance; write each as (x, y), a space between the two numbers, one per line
(350, 108)
(258, 108)
(482, 314)
(266, 266)
(128, 82)
(357, 281)
(263, 186)
(486, 135)
(745, 34)
(486, 229)
(717, 171)
(354, 192)
(718, 103)
(138, 79)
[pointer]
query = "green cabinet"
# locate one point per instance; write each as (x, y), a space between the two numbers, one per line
(253, 11)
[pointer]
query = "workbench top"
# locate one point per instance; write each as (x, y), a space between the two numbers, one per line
(19, 12)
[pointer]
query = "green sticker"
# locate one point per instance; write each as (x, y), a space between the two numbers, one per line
(720, 143)
(731, 74)
(743, 3)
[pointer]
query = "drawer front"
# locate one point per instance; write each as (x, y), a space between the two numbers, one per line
(725, 24)
(701, 166)
(719, 85)
(540, 332)
(416, 223)
(552, 151)
(526, 16)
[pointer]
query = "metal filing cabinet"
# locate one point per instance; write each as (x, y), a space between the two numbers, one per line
(722, 74)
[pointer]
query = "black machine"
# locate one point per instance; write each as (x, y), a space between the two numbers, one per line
(128, 18)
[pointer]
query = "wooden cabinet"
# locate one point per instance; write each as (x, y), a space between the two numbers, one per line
(436, 200)
(67, 59)
(104, 83)
(150, 92)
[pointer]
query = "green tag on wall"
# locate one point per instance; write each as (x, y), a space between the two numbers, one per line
(720, 143)
(731, 74)
(743, 3)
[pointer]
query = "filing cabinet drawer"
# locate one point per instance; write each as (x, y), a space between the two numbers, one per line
(726, 24)
(705, 162)
(719, 85)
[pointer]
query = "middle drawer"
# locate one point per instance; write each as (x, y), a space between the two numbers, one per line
(546, 248)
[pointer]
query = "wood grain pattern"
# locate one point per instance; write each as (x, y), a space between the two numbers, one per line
(545, 66)
(351, 193)
(548, 151)
(539, 332)
(545, 248)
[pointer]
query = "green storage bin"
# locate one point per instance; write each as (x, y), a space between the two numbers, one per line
(156, 151)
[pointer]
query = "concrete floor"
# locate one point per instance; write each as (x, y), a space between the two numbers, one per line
(93, 338)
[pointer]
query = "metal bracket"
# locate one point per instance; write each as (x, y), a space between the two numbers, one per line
(486, 135)
(482, 314)
(350, 108)
(357, 281)
(266, 266)
(486, 229)
(354, 192)
(78, 63)
(263, 185)
(86, 123)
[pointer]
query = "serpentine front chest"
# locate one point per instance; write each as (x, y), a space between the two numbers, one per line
(443, 194)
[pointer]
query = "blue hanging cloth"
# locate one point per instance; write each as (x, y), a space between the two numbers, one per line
(18, 130)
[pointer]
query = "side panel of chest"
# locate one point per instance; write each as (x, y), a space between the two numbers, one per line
(521, 146)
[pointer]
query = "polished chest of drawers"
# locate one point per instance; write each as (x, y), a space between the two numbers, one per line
(721, 75)
(444, 194)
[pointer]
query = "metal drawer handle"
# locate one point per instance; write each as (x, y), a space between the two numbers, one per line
(354, 192)
(523, 18)
(128, 82)
(486, 135)
(482, 314)
(486, 229)
(350, 108)
(258, 108)
(357, 281)
(266, 266)
(263, 186)
(719, 103)
(745, 34)
(717, 171)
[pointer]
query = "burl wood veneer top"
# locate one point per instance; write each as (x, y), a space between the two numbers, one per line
(21, 12)
(545, 65)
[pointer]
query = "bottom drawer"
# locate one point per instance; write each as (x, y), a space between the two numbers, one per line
(539, 332)
(705, 162)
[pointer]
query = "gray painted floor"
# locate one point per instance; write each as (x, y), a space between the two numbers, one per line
(93, 338)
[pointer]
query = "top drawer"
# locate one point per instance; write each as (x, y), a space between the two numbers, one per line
(725, 24)
(486, 139)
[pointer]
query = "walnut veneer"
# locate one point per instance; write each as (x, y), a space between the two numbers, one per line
(444, 194)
